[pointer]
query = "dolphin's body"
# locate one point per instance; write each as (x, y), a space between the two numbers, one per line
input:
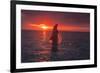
(54, 39)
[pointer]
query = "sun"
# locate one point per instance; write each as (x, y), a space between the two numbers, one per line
(43, 26)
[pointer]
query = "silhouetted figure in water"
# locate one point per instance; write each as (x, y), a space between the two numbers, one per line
(54, 39)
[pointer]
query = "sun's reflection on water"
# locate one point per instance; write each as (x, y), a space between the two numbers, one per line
(44, 35)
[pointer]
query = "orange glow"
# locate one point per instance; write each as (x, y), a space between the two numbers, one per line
(40, 27)
(61, 27)
(43, 26)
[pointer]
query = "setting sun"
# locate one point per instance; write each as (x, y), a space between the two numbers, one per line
(43, 26)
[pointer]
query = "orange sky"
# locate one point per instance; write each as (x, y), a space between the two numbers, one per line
(67, 21)
(60, 27)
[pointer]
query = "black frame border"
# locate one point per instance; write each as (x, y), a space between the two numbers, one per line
(13, 36)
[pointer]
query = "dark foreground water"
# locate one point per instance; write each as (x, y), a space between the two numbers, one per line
(36, 46)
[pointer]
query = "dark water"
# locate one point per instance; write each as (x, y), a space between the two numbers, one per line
(36, 47)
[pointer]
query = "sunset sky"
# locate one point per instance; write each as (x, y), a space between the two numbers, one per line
(67, 21)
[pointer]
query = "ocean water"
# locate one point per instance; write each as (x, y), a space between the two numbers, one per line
(36, 46)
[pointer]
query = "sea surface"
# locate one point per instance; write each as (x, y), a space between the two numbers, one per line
(36, 46)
